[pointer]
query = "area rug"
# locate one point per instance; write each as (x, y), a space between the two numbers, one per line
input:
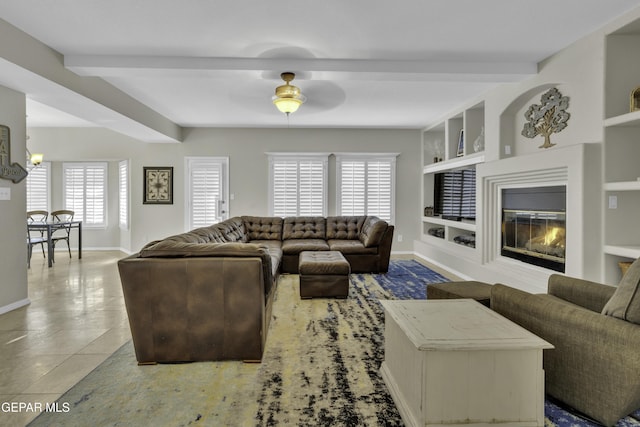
(320, 368)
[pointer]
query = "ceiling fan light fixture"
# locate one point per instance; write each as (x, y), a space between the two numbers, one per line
(288, 98)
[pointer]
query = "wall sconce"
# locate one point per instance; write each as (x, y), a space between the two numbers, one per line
(34, 159)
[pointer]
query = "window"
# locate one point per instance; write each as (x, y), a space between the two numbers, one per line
(207, 191)
(84, 192)
(123, 194)
(38, 187)
(366, 185)
(297, 184)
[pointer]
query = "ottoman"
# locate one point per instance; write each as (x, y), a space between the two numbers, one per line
(323, 274)
(478, 291)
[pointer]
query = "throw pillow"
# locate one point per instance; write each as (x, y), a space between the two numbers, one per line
(625, 302)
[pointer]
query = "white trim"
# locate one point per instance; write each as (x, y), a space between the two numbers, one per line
(14, 305)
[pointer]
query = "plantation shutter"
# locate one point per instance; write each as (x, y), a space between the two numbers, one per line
(379, 193)
(85, 188)
(123, 194)
(285, 188)
(298, 185)
(352, 187)
(38, 187)
(206, 186)
(366, 185)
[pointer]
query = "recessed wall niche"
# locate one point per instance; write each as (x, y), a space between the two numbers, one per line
(511, 142)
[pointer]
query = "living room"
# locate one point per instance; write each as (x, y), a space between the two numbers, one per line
(582, 71)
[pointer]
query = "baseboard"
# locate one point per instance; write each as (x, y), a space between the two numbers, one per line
(442, 266)
(14, 305)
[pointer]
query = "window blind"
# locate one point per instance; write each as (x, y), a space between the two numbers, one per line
(123, 194)
(85, 188)
(455, 194)
(298, 185)
(366, 186)
(206, 187)
(38, 187)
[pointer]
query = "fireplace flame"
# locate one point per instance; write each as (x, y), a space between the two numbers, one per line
(554, 237)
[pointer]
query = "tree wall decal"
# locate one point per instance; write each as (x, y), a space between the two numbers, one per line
(550, 116)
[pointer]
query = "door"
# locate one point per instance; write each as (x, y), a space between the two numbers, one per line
(207, 191)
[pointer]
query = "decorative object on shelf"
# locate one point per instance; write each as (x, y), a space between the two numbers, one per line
(437, 232)
(288, 97)
(460, 151)
(158, 185)
(478, 144)
(438, 149)
(624, 266)
(635, 100)
(550, 116)
(13, 171)
(428, 211)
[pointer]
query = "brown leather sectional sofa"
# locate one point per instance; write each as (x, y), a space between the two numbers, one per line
(207, 294)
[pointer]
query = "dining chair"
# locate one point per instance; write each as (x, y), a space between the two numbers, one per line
(63, 232)
(36, 237)
(31, 242)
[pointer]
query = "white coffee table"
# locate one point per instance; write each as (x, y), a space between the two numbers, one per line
(457, 363)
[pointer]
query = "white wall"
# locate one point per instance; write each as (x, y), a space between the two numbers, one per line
(13, 250)
(248, 166)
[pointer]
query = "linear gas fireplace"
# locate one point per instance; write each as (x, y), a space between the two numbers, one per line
(534, 226)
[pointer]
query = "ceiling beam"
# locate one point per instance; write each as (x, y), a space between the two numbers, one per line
(335, 69)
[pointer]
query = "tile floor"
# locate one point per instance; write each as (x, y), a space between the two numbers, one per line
(76, 320)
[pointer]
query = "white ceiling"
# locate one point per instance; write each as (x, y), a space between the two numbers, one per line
(361, 63)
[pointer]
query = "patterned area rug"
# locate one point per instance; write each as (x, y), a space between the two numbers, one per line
(320, 368)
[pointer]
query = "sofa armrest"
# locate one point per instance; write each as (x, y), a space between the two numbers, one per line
(590, 295)
(197, 308)
(590, 349)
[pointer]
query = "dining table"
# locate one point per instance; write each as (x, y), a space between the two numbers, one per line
(49, 227)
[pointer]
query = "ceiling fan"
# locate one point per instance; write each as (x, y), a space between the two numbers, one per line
(288, 97)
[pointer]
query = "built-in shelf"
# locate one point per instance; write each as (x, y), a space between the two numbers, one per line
(458, 162)
(622, 186)
(629, 119)
(627, 251)
(462, 225)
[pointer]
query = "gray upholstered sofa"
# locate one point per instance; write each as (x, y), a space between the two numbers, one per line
(595, 366)
(207, 294)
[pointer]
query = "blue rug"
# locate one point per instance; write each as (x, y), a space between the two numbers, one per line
(408, 279)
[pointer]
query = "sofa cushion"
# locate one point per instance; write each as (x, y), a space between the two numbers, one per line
(344, 227)
(625, 302)
(295, 246)
(353, 247)
(232, 229)
(263, 227)
(304, 227)
(372, 231)
(275, 250)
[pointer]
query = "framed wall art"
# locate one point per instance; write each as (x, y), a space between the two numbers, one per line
(158, 185)
(460, 151)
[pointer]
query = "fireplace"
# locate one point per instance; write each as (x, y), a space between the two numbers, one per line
(534, 226)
